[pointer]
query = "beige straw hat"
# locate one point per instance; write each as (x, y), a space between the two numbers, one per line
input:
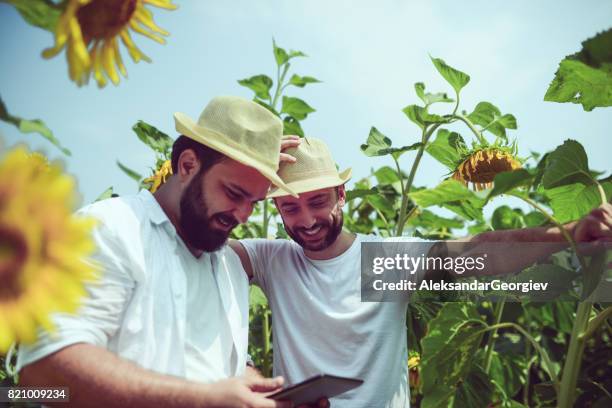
(240, 129)
(313, 169)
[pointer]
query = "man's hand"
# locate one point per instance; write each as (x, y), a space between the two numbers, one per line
(596, 226)
(287, 142)
(245, 392)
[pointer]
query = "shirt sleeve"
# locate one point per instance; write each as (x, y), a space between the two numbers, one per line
(101, 310)
(259, 251)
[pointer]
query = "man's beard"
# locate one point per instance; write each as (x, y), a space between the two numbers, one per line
(333, 228)
(195, 224)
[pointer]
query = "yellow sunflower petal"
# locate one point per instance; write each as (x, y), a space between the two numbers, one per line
(118, 58)
(145, 17)
(166, 4)
(108, 62)
(134, 26)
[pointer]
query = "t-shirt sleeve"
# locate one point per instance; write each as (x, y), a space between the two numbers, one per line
(259, 252)
(99, 316)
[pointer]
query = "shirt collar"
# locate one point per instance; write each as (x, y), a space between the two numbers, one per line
(155, 212)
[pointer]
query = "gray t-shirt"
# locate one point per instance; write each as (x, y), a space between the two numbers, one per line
(320, 324)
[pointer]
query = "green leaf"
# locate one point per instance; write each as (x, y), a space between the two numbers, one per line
(260, 84)
(490, 118)
(360, 193)
(300, 81)
(380, 145)
(567, 164)
(257, 297)
(429, 220)
(447, 191)
(296, 107)
(452, 339)
(131, 173)
(154, 138)
(291, 126)
(108, 193)
(386, 175)
(421, 117)
(281, 56)
(535, 219)
(573, 201)
(39, 13)
(31, 126)
(509, 180)
(429, 98)
(585, 77)
(476, 390)
(504, 218)
(265, 105)
(454, 77)
(446, 148)
(509, 372)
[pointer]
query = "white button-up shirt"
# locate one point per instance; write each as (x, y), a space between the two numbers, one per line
(155, 303)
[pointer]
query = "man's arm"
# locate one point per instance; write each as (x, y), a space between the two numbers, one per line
(595, 226)
(242, 254)
(98, 378)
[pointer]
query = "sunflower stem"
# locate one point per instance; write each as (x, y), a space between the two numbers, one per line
(602, 192)
(470, 125)
(426, 134)
(497, 315)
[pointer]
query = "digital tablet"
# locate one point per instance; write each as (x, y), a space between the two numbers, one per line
(314, 388)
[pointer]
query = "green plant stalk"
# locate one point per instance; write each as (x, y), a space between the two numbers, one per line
(497, 314)
(571, 368)
(470, 125)
(266, 344)
(573, 359)
(406, 188)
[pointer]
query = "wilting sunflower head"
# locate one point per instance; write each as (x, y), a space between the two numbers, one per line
(90, 31)
(482, 165)
(42, 246)
(159, 177)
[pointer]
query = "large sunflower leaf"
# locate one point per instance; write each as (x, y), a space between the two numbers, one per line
(490, 118)
(291, 126)
(571, 202)
(446, 148)
(447, 191)
(567, 164)
(260, 84)
(296, 107)
(509, 180)
(505, 218)
(453, 76)
(476, 389)
(509, 372)
(129, 172)
(39, 13)
(31, 126)
(585, 77)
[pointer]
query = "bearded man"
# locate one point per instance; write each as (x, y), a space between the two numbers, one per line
(167, 324)
(313, 283)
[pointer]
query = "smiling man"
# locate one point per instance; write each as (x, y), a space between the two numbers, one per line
(167, 323)
(313, 284)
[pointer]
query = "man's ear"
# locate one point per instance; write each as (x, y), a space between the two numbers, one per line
(188, 165)
(341, 196)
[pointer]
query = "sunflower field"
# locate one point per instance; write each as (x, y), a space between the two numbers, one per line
(461, 353)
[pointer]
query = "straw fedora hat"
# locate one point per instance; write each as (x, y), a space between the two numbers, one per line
(313, 169)
(240, 129)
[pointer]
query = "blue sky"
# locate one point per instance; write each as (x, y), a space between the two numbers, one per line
(369, 55)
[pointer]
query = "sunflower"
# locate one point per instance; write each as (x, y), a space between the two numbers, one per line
(90, 31)
(481, 165)
(414, 362)
(159, 177)
(42, 246)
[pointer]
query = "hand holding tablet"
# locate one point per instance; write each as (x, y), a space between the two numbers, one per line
(314, 388)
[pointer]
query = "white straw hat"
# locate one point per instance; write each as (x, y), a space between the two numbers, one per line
(240, 129)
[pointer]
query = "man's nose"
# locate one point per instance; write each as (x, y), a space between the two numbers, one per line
(308, 220)
(243, 212)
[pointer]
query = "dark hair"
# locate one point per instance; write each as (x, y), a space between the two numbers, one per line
(207, 157)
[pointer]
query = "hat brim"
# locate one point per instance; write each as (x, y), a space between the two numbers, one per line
(314, 184)
(186, 126)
